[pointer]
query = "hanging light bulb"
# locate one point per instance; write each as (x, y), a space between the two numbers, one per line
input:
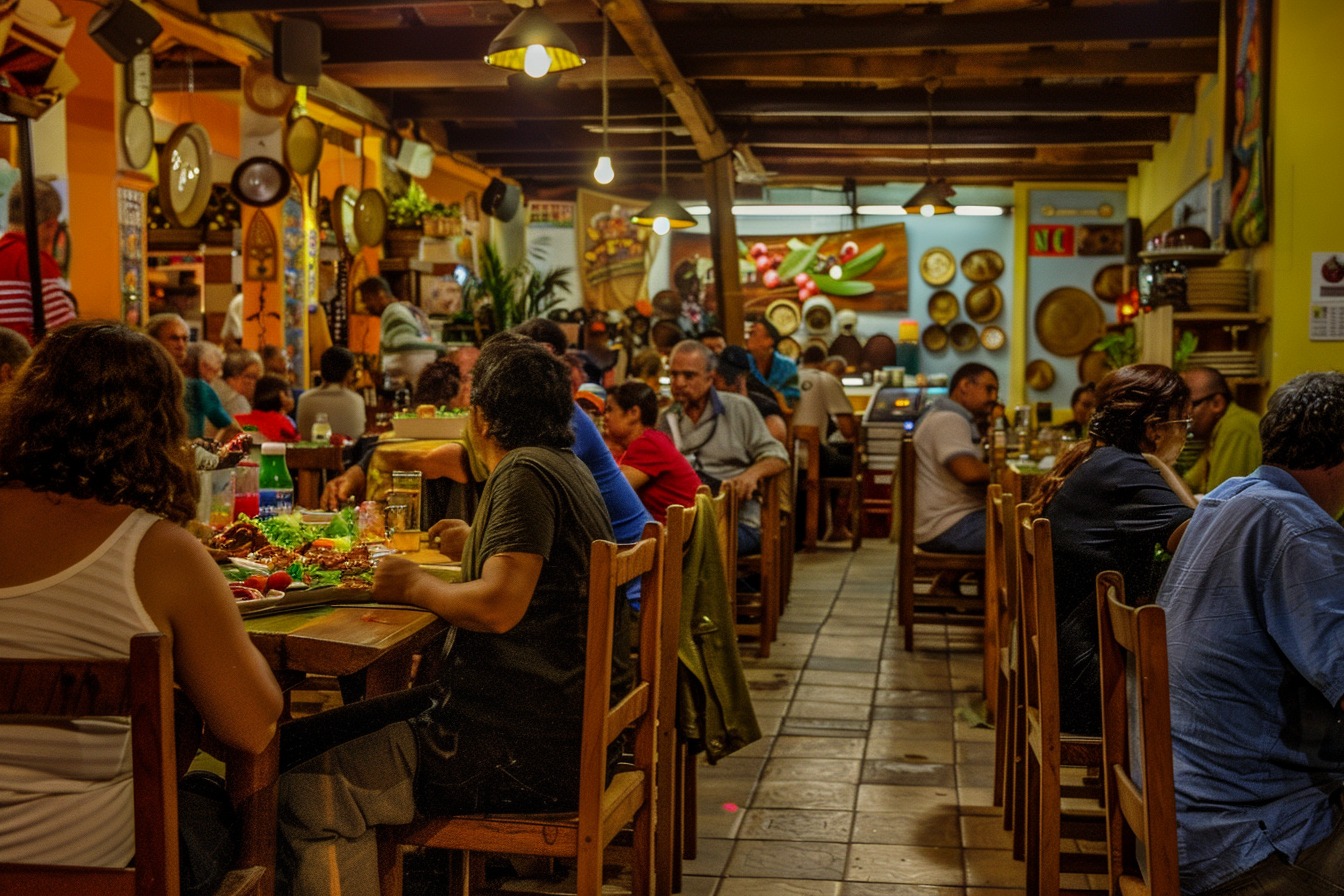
(535, 61)
(604, 173)
(533, 44)
(932, 198)
(664, 213)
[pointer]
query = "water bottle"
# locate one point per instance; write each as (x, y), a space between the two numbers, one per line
(321, 429)
(275, 487)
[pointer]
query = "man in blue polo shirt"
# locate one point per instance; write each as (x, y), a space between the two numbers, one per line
(1255, 634)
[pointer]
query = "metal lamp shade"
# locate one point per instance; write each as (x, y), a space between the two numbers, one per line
(260, 181)
(935, 194)
(665, 207)
(532, 28)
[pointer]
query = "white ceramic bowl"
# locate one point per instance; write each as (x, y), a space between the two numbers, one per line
(430, 427)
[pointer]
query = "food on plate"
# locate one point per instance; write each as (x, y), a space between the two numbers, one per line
(243, 591)
(426, 410)
(277, 553)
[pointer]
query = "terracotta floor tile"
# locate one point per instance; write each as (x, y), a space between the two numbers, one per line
(923, 827)
(796, 825)
(885, 863)
(789, 860)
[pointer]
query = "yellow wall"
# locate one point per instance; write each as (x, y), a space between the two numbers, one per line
(1194, 151)
(1308, 182)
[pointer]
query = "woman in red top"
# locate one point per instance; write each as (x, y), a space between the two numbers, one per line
(647, 457)
(271, 406)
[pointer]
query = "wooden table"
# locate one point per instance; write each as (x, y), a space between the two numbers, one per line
(312, 463)
(376, 639)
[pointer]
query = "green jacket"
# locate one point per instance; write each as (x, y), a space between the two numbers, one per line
(714, 710)
(1234, 450)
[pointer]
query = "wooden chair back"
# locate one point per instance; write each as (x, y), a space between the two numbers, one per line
(311, 466)
(604, 809)
(915, 563)
(725, 516)
(816, 488)
(1004, 535)
(758, 611)
(667, 854)
(140, 687)
(1046, 750)
(1136, 737)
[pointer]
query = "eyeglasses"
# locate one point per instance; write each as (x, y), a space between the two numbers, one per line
(1184, 423)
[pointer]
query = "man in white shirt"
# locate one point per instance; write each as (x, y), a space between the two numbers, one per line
(822, 403)
(343, 406)
(950, 472)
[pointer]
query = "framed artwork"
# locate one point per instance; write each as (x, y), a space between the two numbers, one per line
(1248, 169)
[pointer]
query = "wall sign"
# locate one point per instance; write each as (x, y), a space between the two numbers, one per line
(1050, 240)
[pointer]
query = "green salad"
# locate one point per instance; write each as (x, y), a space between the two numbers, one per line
(289, 531)
(440, 413)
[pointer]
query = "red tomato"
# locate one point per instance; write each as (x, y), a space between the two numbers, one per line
(257, 581)
(770, 279)
(763, 263)
(279, 581)
(758, 249)
(801, 279)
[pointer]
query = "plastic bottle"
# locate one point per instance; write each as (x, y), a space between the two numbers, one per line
(321, 429)
(245, 497)
(275, 487)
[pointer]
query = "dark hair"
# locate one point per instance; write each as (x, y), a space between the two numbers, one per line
(14, 349)
(269, 389)
(770, 329)
(439, 383)
(969, 371)
(634, 394)
(336, 364)
(646, 363)
(1214, 378)
(1080, 392)
(1303, 429)
(371, 283)
(814, 354)
(522, 392)
(97, 413)
(711, 333)
(547, 332)
(1127, 400)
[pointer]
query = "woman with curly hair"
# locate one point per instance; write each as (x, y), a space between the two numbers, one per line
(1112, 500)
(457, 745)
(96, 480)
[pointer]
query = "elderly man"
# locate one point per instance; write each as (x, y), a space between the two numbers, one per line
(404, 339)
(202, 404)
(951, 473)
(1232, 432)
(775, 370)
(16, 290)
(14, 350)
(722, 436)
(1255, 633)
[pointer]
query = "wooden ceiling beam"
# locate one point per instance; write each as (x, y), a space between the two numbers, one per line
(798, 102)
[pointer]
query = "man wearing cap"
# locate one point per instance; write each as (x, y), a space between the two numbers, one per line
(950, 469)
(775, 370)
(1233, 433)
(732, 373)
(404, 341)
(721, 435)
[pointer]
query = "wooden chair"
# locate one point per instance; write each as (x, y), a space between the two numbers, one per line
(1136, 737)
(604, 809)
(1046, 750)
(312, 464)
(918, 564)
(667, 851)
(817, 489)
(1002, 589)
(140, 687)
(758, 611)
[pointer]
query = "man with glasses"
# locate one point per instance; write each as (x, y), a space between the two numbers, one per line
(722, 436)
(950, 472)
(1232, 433)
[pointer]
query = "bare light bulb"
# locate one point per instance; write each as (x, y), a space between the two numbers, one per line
(926, 210)
(661, 225)
(536, 62)
(604, 173)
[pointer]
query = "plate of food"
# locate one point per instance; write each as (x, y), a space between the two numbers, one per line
(430, 422)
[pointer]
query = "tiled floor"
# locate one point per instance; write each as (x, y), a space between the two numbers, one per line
(866, 782)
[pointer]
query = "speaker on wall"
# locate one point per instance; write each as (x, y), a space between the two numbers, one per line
(501, 200)
(298, 51)
(123, 29)
(1133, 240)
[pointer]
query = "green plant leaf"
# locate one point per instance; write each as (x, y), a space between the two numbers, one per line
(863, 263)
(842, 288)
(800, 260)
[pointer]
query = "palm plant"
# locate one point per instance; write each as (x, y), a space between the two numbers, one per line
(514, 293)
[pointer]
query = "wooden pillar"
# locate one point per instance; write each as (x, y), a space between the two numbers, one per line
(723, 246)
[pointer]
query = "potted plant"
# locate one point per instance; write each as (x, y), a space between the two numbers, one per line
(413, 215)
(511, 294)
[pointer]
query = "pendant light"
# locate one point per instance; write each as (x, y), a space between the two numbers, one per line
(604, 173)
(932, 198)
(532, 43)
(664, 213)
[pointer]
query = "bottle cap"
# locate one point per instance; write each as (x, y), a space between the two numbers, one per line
(321, 417)
(272, 447)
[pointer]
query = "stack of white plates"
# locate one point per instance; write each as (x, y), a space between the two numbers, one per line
(1241, 363)
(1218, 289)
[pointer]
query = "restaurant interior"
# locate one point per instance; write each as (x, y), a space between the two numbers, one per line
(1053, 190)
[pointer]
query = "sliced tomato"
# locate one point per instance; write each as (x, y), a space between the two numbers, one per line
(279, 581)
(256, 582)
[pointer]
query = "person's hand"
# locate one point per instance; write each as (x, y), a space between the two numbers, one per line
(348, 484)
(451, 536)
(742, 486)
(394, 580)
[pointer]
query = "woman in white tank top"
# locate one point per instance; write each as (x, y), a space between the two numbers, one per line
(96, 479)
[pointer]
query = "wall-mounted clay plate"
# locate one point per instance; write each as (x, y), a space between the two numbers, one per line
(963, 336)
(943, 307)
(982, 265)
(934, 338)
(937, 266)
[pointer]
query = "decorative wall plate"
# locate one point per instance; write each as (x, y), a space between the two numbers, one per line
(343, 218)
(1068, 321)
(370, 217)
(943, 307)
(1040, 374)
(982, 265)
(264, 93)
(934, 338)
(963, 336)
(303, 144)
(137, 135)
(184, 175)
(993, 338)
(983, 303)
(937, 266)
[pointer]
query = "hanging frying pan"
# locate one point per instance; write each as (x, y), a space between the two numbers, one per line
(370, 217)
(343, 219)
(303, 143)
